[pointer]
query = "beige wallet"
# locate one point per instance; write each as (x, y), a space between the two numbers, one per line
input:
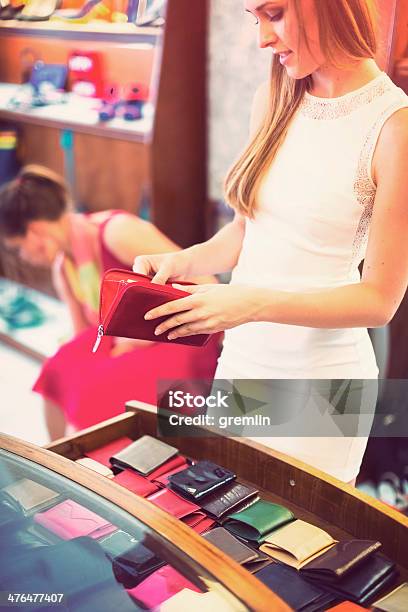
(31, 495)
(95, 466)
(297, 543)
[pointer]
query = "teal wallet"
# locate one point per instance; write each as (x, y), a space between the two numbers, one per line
(258, 520)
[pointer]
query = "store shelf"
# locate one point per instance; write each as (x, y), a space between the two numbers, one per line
(97, 30)
(78, 114)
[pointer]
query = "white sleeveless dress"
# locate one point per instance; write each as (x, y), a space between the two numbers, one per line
(310, 233)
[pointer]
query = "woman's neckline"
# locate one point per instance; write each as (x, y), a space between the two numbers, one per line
(357, 91)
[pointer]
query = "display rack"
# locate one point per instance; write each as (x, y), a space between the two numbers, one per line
(162, 158)
(76, 113)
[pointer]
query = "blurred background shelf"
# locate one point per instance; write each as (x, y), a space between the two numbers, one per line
(77, 113)
(98, 30)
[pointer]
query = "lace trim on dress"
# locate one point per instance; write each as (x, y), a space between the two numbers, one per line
(364, 187)
(333, 108)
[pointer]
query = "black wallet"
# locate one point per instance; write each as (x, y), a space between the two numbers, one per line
(11, 512)
(144, 455)
(200, 479)
(366, 582)
(132, 561)
(299, 594)
(233, 497)
(340, 560)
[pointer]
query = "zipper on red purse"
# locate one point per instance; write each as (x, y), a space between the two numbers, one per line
(101, 328)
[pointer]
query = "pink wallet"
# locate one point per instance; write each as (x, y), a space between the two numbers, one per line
(70, 520)
(203, 525)
(182, 509)
(160, 586)
(171, 464)
(135, 482)
(163, 480)
(104, 453)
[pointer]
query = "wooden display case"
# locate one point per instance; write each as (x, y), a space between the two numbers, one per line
(310, 494)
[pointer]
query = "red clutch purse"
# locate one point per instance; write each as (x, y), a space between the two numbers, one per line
(125, 299)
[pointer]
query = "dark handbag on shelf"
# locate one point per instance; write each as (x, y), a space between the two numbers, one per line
(126, 297)
(56, 74)
(200, 479)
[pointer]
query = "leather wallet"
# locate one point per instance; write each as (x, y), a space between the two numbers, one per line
(144, 455)
(177, 463)
(135, 482)
(30, 494)
(366, 582)
(104, 453)
(160, 586)
(300, 595)
(396, 601)
(340, 560)
(258, 520)
(124, 300)
(163, 479)
(232, 547)
(132, 561)
(200, 479)
(203, 525)
(177, 506)
(70, 520)
(95, 466)
(233, 497)
(11, 512)
(119, 542)
(297, 543)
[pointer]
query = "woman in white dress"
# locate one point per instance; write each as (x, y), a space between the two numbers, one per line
(321, 186)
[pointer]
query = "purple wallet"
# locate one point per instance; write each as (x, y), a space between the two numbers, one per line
(70, 520)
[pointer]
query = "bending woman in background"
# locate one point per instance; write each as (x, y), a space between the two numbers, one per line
(321, 186)
(81, 388)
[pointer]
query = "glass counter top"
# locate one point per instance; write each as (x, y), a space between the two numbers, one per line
(75, 550)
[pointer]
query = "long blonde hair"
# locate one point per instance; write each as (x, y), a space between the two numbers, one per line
(346, 29)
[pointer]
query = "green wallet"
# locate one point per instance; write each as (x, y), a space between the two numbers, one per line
(258, 520)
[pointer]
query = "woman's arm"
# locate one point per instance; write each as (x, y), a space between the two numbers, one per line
(128, 236)
(370, 303)
(61, 286)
